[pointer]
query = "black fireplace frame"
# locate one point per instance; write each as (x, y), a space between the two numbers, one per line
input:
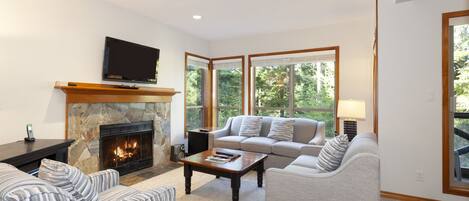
(126, 129)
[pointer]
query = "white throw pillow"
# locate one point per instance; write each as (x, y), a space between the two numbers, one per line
(331, 154)
(250, 126)
(281, 129)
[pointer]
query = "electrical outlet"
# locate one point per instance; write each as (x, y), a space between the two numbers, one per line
(419, 176)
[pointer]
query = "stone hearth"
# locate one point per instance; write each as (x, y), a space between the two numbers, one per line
(84, 120)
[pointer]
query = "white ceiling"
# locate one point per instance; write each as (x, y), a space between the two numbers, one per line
(224, 19)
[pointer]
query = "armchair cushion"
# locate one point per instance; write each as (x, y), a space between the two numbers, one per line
(123, 193)
(117, 193)
(290, 149)
(68, 178)
(104, 180)
(230, 142)
(258, 144)
(303, 170)
(305, 161)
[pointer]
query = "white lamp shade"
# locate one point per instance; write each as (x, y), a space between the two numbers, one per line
(351, 109)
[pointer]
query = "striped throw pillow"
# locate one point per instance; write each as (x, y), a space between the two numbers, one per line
(250, 126)
(331, 154)
(281, 129)
(68, 178)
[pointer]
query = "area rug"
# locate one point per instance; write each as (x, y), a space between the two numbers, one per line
(205, 187)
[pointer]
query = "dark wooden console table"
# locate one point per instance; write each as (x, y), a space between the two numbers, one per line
(27, 156)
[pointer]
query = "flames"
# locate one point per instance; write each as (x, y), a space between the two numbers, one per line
(128, 150)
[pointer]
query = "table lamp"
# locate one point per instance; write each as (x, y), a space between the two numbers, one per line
(351, 111)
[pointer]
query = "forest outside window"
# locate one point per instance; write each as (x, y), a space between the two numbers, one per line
(197, 86)
(296, 84)
(227, 89)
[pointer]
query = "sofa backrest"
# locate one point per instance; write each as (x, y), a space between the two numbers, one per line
(362, 143)
(304, 129)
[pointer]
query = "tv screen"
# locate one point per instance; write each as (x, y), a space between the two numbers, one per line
(129, 62)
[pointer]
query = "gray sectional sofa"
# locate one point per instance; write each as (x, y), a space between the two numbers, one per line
(356, 179)
(308, 139)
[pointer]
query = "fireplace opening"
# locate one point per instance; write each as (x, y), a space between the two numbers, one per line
(126, 147)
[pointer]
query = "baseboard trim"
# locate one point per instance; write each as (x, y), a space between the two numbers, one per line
(403, 197)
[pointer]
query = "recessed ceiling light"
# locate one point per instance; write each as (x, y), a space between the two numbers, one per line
(197, 17)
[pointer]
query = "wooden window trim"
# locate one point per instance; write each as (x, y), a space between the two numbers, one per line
(447, 187)
(206, 96)
(337, 73)
(242, 84)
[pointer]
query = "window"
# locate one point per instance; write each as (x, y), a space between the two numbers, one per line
(197, 92)
(456, 103)
(228, 88)
(296, 84)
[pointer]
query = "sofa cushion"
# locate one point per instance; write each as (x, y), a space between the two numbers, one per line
(281, 129)
(230, 142)
(306, 161)
(117, 193)
(258, 144)
(68, 178)
(302, 169)
(290, 149)
(251, 126)
(331, 154)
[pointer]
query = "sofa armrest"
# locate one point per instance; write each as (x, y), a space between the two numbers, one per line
(225, 131)
(312, 150)
(357, 179)
(104, 180)
(320, 135)
(165, 193)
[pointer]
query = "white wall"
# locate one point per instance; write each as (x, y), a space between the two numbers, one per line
(49, 40)
(355, 39)
(410, 123)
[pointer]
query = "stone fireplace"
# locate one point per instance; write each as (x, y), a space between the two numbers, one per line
(85, 121)
(135, 123)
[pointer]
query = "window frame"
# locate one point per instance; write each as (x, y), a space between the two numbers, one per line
(336, 49)
(213, 107)
(207, 101)
(448, 187)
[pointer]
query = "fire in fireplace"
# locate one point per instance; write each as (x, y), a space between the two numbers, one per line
(126, 147)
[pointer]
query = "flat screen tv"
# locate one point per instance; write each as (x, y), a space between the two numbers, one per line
(130, 62)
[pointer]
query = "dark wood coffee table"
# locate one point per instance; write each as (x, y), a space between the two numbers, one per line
(233, 170)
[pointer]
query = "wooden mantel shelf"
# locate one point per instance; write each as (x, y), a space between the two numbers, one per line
(78, 92)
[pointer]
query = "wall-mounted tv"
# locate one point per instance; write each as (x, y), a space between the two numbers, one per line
(130, 62)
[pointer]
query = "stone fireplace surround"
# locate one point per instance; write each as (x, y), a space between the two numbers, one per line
(90, 105)
(84, 121)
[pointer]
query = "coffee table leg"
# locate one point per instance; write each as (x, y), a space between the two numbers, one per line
(235, 183)
(260, 173)
(188, 175)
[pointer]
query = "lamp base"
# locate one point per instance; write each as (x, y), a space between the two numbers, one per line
(350, 129)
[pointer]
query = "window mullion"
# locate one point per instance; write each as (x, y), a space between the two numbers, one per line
(291, 84)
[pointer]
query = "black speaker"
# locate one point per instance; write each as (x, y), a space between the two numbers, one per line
(177, 152)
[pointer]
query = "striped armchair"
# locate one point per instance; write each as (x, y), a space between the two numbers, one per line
(16, 185)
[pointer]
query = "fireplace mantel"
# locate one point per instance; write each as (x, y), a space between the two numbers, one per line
(78, 92)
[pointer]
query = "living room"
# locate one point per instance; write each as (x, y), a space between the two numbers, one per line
(219, 65)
